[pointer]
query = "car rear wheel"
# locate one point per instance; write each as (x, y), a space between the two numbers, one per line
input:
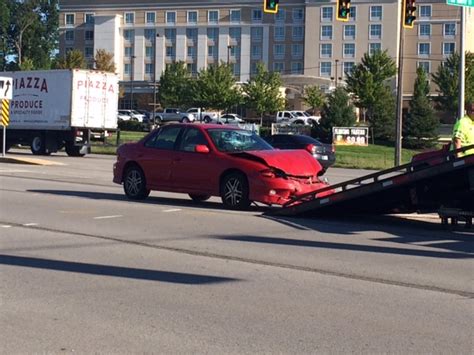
(185, 120)
(235, 191)
(207, 119)
(38, 145)
(199, 198)
(134, 184)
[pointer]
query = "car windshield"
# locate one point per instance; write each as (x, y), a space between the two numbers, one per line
(306, 114)
(237, 140)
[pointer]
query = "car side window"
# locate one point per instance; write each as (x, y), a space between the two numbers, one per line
(165, 138)
(192, 137)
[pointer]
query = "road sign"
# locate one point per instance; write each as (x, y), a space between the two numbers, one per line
(4, 112)
(469, 3)
(6, 88)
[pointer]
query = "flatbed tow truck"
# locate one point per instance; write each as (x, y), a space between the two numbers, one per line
(442, 183)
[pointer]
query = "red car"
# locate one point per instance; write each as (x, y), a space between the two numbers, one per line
(214, 160)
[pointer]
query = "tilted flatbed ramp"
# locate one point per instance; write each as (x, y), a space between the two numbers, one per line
(425, 185)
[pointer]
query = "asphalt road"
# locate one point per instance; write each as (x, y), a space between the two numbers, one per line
(85, 270)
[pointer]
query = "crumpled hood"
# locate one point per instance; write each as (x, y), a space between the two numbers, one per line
(292, 162)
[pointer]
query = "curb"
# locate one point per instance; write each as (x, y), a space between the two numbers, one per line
(28, 161)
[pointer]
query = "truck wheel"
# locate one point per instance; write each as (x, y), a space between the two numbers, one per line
(185, 120)
(73, 151)
(134, 184)
(207, 119)
(234, 191)
(38, 145)
(158, 121)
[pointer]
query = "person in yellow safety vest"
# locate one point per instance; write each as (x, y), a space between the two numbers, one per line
(463, 132)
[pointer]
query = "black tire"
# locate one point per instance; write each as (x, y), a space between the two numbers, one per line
(38, 145)
(134, 184)
(73, 151)
(199, 198)
(185, 120)
(234, 191)
(207, 119)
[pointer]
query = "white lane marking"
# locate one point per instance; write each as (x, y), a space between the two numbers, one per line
(172, 210)
(30, 224)
(107, 217)
(5, 226)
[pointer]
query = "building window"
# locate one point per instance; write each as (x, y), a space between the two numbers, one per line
(376, 13)
(129, 18)
(234, 34)
(149, 68)
(424, 30)
(425, 11)
(279, 51)
(171, 17)
(150, 34)
(349, 50)
(150, 17)
(278, 67)
(127, 69)
(424, 49)
(170, 52)
(191, 34)
(191, 51)
(89, 52)
(235, 51)
(213, 16)
(257, 15)
(89, 35)
(149, 52)
(128, 52)
(325, 50)
(448, 48)
(192, 68)
(352, 13)
(425, 65)
(325, 69)
(297, 50)
(69, 35)
(374, 47)
(253, 68)
(279, 34)
(256, 51)
(128, 35)
(235, 16)
(212, 51)
(375, 31)
(449, 29)
(69, 19)
(236, 69)
(170, 35)
(192, 17)
(298, 15)
(280, 15)
(212, 34)
(296, 68)
(326, 14)
(349, 32)
(348, 68)
(89, 19)
(256, 33)
(326, 32)
(298, 33)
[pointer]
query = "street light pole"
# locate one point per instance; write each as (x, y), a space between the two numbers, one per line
(337, 62)
(462, 65)
(229, 47)
(131, 82)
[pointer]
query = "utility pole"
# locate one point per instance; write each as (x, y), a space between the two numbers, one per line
(131, 81)
(462, 65)
(337, 62)
(399, 115)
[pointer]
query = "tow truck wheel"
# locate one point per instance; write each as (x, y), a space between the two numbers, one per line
(73, 151)
(234, 191)
(38, 145)
(134, 184)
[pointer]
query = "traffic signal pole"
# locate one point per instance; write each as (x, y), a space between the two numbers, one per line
(462, 64)
(399, 116)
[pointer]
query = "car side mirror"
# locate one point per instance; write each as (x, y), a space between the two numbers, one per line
(201, 148)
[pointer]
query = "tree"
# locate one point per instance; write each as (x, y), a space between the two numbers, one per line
(27, 64)
(175, 86)
(104, 61)
(447, 80)
(215, 88)
(5, 20)
(314, 97)
(73, 60)
(421, 125)
(338, 111)
(369, 84)
(262, 92)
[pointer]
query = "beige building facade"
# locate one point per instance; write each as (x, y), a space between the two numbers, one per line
(303, 42)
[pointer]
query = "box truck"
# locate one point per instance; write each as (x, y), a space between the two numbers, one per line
(61, 108)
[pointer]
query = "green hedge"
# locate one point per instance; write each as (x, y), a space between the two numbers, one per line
(130, 126)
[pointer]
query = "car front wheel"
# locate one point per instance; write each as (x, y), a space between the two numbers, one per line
(134, 184)
(234, 191)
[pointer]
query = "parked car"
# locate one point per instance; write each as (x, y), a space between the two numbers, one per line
(133, 114)
(204, 116)
(122, 116)
(323, 153)
(304, 117)
(174, 114)
(215, 160)
(230, 118)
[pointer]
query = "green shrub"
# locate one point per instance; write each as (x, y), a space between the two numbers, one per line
(130, 126)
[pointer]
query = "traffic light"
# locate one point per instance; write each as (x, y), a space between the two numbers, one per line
(270, 6)
(409, 9)
(342, 10)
